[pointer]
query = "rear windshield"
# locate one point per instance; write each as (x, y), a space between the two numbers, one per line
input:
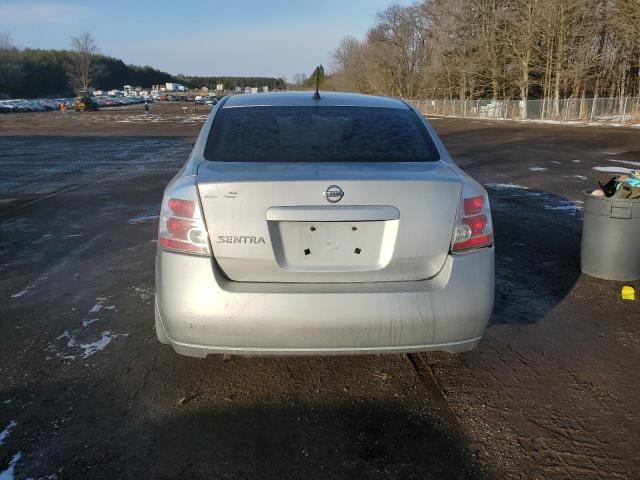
(318, 134)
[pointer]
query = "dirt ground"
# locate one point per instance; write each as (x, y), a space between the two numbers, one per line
(86, 391)
(164, 119)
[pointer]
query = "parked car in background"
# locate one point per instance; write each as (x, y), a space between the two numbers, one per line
(332, 226)
(49, 104)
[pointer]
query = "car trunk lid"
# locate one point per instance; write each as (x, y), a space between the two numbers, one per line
(274, 223)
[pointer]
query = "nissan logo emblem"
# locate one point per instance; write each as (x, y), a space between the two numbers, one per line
(333, 194)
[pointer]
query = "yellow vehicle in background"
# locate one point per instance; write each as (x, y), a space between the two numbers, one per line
(84, 102)
(79, 105)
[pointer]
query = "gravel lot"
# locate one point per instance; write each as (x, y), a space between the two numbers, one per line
(87, 391)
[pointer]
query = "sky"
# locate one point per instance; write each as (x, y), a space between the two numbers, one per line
(249, 37)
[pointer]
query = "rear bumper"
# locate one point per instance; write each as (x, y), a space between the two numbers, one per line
(203, 313)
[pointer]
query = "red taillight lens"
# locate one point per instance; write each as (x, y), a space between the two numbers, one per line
(178, 227)
(474, 242)
(474, 229)
(182, 208)
(473, 206)
(171, 244)
(181, 227)
(477, 224)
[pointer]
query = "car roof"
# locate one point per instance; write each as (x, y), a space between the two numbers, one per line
(305, 99)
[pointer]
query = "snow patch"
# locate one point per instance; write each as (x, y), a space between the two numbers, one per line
(5, 433)
(576, 161)
(613, 169)
(552, 203)
(538, 169)
(85, 349)
(98, 306)
(142, 219)
(29, 288)
(92, 348)
(566, 206)
(514, 190)
(505, 186)
(143, 293)
(555, 161)
(626, 162)
(579, 177)
(67, 335)
(88, 349)
(9, 472)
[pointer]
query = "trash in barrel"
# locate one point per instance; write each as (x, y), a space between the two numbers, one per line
(611, 229)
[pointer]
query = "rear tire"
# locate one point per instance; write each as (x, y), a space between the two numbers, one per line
(160, 332)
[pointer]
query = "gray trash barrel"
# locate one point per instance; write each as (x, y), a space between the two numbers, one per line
(611, 238)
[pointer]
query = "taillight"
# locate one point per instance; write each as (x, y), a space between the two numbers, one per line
(182, 208)
(474, 228)
(181, 227)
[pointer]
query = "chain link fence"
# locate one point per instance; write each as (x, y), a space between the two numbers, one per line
(621, 111)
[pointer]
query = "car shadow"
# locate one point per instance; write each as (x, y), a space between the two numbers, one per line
(81, 430)
(537, 238)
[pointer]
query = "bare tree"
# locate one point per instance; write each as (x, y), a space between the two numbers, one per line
(5, 41)
(81, 67)
(299, 79)
(522, 24)
(350, 67)
(498, 49)
(400, 35)
(10, 65)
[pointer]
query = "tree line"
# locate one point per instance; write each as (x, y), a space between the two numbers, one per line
(496, 49)
(231, 83)
(31, 73)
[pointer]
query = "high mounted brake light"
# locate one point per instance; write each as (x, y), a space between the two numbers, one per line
(181, 227)
(474, 228)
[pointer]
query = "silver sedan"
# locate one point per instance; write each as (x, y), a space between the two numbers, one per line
(321, 226)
